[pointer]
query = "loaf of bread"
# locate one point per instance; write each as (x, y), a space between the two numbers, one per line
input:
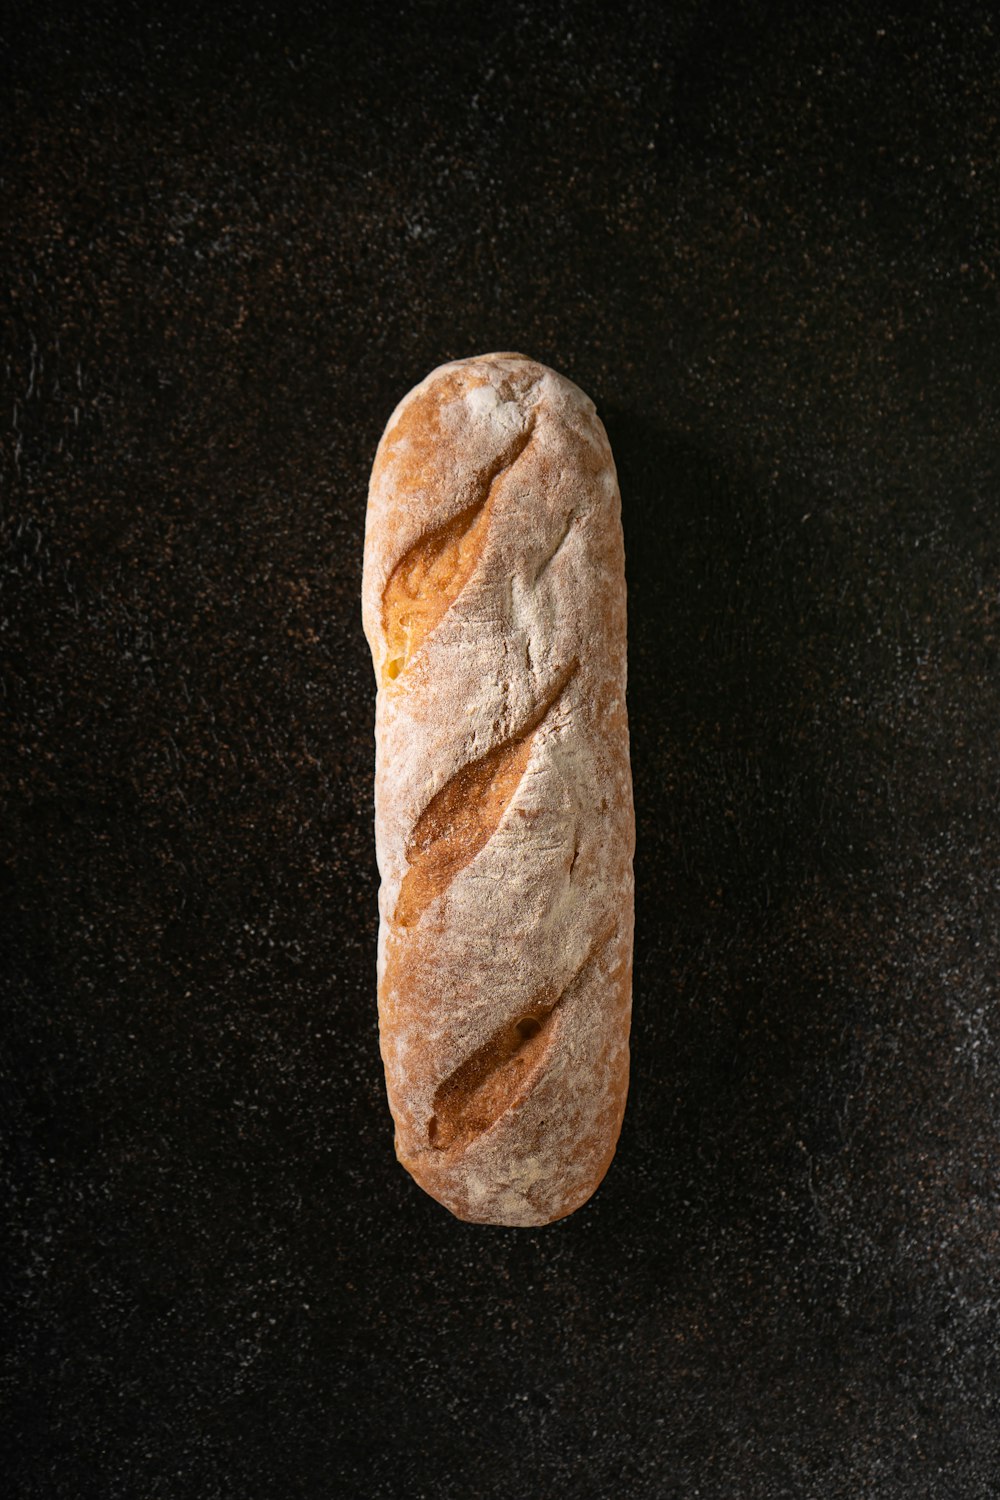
(494, 606)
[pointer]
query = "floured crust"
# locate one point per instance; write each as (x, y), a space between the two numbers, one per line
(494, 606)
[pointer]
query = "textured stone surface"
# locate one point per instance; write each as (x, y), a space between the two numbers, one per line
(764, 239)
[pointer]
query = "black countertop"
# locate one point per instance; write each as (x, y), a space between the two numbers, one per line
(765, 239)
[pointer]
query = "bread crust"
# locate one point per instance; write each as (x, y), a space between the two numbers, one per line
(494, 606)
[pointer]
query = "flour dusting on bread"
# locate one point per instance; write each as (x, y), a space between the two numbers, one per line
(494, 605)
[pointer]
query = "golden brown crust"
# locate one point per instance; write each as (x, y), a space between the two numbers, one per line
(494, 605)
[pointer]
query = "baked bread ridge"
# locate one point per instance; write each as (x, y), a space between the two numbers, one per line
(494, 606)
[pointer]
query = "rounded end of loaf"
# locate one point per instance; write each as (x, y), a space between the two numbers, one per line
(507, 1205)
(523, 1131)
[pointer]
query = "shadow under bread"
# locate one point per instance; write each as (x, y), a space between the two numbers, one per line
(740, 957)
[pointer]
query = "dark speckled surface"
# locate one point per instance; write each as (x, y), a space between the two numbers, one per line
(765, 239)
